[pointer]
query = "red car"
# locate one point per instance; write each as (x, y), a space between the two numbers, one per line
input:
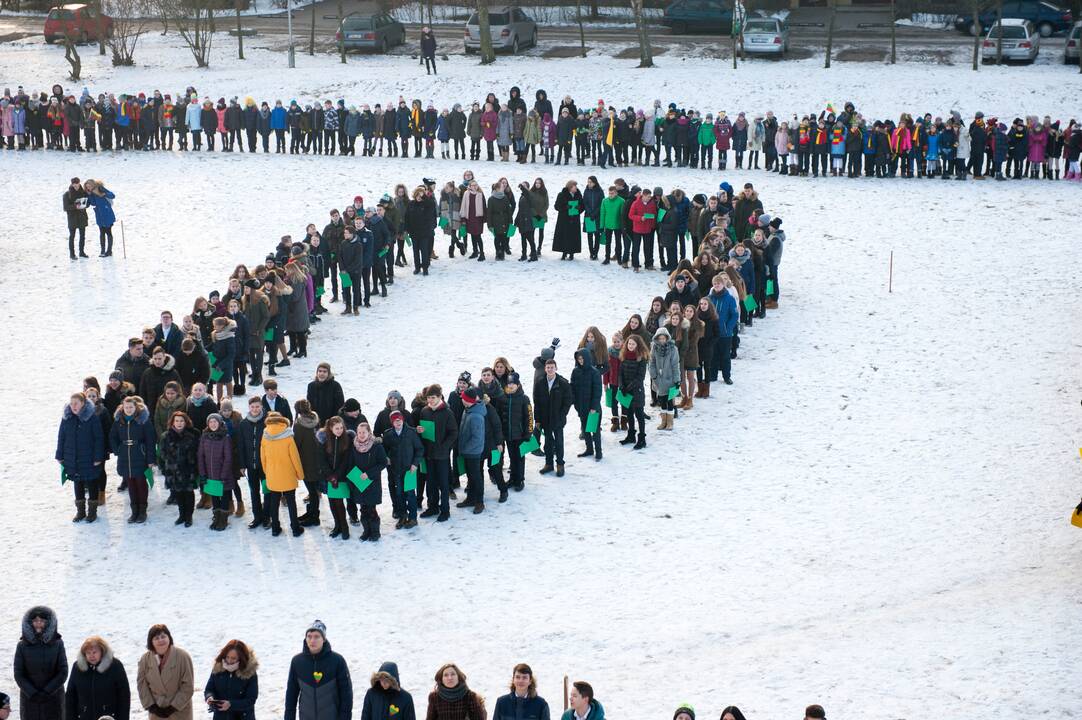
(80, 22)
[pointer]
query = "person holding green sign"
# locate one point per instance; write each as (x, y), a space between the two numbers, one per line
(282, 466)
(518, 429)
(132, 441)
(178, 450)
(335, 460)
(249, 442)
(586, 395)
(404, 454)
(368, 461)
(439, 431)
(524, 222)
(567, 237)
(633, 360)
(665, 374)
(611, 218)
(216, 468)
(223, 346)
(643, 216)
(539, 204)
(592, 198)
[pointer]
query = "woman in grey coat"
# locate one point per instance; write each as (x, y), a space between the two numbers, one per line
(664, 370)
(297, 310)
(503, 131)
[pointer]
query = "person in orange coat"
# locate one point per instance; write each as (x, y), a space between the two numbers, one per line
(282, 469)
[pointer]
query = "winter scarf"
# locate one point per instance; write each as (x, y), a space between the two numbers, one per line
(364, 446)
(255, 418)
(453, 694)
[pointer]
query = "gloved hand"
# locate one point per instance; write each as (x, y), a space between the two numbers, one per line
(555, 343)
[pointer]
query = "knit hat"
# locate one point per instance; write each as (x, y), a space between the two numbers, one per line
(658, 192)
(358, 200)
(764, 220)
(351, 405)
(116, 375)
(775, 223)
(513, 378)
(684, 709)
(319, 627)
(471, 396)
(465, 376)
(218, 417)
(548, 353)
(397, 415)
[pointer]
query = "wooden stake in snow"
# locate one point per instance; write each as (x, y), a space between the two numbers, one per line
(890, 274)
(566, 701)
(123, 241)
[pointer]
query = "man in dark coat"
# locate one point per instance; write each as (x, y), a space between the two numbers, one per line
(192, 364)
(168, 335)
(586, 395)
(133, 363)
(319, 686)
(552, 399)
(98, 686)
(249, 440)
(387, 693)
(404, 454)
(162, 369)
(518, 425)
(273, 402)
(442, 433)
(41, 666)
(325, 393)
(75, 208)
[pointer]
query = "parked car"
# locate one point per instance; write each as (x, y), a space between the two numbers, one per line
(78, 21)
(1021, 41)
(1047, 17)
(370, 32)
(510, 29)
(701, 16)
(767, 36)
(1070, 48)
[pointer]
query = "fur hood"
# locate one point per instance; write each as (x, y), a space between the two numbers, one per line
(169, 364)
(141, 416)
(387, 670)
(277, 429)
(47, 635)
(87, 411)
(309, 420)
(243, 673)
(106, 659)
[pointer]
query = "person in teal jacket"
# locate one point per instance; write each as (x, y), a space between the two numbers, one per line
(583, 704)
(706, 140)
(611, 223)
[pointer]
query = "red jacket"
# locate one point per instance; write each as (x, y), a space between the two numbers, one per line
(640, 224)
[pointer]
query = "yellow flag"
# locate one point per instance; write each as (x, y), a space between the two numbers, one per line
(608, 141)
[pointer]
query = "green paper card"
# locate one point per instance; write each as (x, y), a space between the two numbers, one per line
(215, 375)
(538, 223)
(338, 493)
(750, 304)
(572, 212)
(495, 459)
(528, 446)
(269, 335)
(572, 207)
(214, 488)
(409, 482)
(661, 214)
(428, 428)
(462, 231)
(608, 395)
(624, 400)
(648, 216)
(319, 291)
(673, 392)
(346, 282)
(359, 479)
(263, 486)
(589, 224)
(212, 359)
(63, 475)
(460, 466)
(149, 475)
(423, 466)
(593, 421)
(444, 222)
(511, 231)
(604, 239)
(409, 241)
(382, 253)
(769, 287)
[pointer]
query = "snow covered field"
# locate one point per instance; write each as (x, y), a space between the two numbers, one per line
(874, 517)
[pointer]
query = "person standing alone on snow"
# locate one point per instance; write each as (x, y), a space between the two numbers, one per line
(428, 50)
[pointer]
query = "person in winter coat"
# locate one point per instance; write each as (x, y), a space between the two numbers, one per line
(473, 214)
(216, 463)
(500, 212)
(552, 399)
(80, 450)
(178, 456)
(335, 457)
(404, 455)
(634, 357)
(665, 373)
(370, 459)
(438, 429)
(428, 50)
(643, 216)
(324, 393)
(41, 666)
(233, 686)
(419, 226)
(471, 448)
(165, 678)
(524, 222)
(523, 702)
(101, 199)
(452, 699)
(592, 198)
(282, 469)
(586, 396)
(567, 237)
(583, 704)
(160, 371)
(319, 686)
(728, 318)
(132, 442)
(489, 121)
(385, 699)
(75, 202)
(97, 685)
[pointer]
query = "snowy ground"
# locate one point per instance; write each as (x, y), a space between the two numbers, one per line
(873, 517)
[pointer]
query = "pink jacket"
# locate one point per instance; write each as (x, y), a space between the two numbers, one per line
(1038, 143)
(489, 122)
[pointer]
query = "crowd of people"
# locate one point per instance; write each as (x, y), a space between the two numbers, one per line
(319, 685)
(820, 143)
(171, 405)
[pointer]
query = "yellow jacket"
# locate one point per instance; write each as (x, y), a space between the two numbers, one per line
(279, 456)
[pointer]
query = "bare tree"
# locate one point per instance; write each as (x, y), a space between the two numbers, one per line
(646, 55)
(129, 24)
(240, 32)
(101, 27)
(341, 35)
(194, 20)
(830, 31)
(975, 29)
(893, 34)
(71, 54)
(999, 32)
(488, 55)
(578, 16)
(735, 31)
(312, 35)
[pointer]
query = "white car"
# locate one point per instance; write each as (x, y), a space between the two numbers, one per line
(1021, 41)
(1070, 49)
(767, 36)
(509, 27)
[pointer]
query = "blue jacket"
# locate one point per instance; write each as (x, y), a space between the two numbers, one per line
(585, 385)
(728, 315)
(103, 208)
(132, 441)
(330, 697)
(471, 431)
(278, 118)
(81, 443)
(240, 688)
(682, 210)
(368, 248)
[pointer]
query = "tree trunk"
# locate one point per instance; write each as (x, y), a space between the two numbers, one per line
(578, 16)
(341, 36)
(893, 34)
(429, 11)
(312, 33)
(646, 56)
(999, 32)
(240, 37)
(830, 31)
(101, 30)
(976, 34)
(593, 10)
(735, 31)
(488, 55)
(71, 54)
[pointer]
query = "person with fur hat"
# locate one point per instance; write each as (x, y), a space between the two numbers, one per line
(522, 701)
(664, 367)
(133, 443)
(233, 686)
(385, 699)
(98, 684)
(319, 686)
(80, 450)
(41, 666)
(282, 468)
(452, 699)
(216, 463)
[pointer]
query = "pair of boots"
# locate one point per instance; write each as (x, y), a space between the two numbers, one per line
(221, 520)
(591, 450)
(370, 527)
(686, 403)
(138, 513)
(341, 526)
(185, 506)
(666, 421)
(85, 511)
(615, 425)
(702, 390)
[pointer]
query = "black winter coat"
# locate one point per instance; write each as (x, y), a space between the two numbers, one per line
(585, 387)
(446, 432)
(40, 668)
(240, 688)
(632, 377)
(551, 406)
(328, 698)
(370, 463)
(518, 417)
(419, 215)
(403, 450)
(378, 702)
(325, 398)
(98, 690)
(567, 237)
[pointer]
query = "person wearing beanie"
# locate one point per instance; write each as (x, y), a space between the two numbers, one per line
(404, 452)
(684, 712)
(282, 468)
(319, 685)
(517, 428)
(438, 430)
(471, 448)
(552, 400)
(215, 462)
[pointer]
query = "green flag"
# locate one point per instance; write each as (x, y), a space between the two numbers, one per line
(624, 400)
(460, 466)
(429, 430)
(409, 482)
(149, 475)
(359, 479)
(769, 287)
(528, 446)
(750, 304)
(589, 224)
(214, 488)
(215, 375)
(339, 492)
(269, 335)
(593, 421)
(495, 459)
(346, 281)
(673, 392)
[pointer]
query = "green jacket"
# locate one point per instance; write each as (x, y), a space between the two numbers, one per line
(706, 134)
(612, 213)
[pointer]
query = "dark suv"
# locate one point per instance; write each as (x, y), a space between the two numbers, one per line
(1047, 17)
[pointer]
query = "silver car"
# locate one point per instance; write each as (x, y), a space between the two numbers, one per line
(510, 28)
(370, 32)
(1021, 41)
(767, 36)
(1070, 48)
